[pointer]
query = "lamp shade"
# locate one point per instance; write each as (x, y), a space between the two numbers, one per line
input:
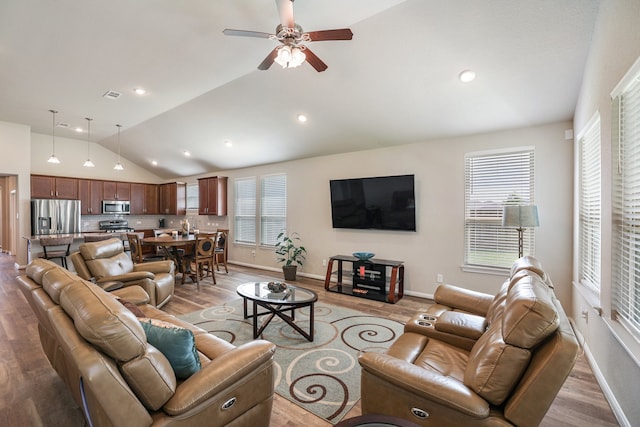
(520, 216)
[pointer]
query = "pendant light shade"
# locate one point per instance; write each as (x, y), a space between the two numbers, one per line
(88, 163)
(118, 165)
(53, 158)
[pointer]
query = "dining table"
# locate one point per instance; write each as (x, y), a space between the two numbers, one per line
(171, 246)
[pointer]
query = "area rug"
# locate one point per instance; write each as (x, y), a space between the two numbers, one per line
(322, 376)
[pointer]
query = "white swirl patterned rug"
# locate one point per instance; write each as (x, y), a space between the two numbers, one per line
(322, 376)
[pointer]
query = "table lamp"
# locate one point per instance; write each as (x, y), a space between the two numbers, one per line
(520, 217)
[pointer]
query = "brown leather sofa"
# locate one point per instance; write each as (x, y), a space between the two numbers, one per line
(492, 361)
(106, 261)
(99, 348)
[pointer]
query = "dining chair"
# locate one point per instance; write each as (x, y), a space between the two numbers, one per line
(57, 247)
(135, 246)
(162, 250)
(97, 237)
(221, 249)
(203, 255)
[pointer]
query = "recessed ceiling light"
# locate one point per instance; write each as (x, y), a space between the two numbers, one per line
(467, 76)
(139, 91)
(79, 129)
(228, 143)
(186, 153)
(154, 163)
(302, 118)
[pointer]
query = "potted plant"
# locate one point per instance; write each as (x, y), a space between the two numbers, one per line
(291, 253)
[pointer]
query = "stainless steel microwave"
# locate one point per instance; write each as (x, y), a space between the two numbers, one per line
(116, 207)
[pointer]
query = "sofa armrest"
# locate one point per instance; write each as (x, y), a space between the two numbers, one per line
(461, 324)
(463, 299)
(155, 267)
(219, 374)
(424, 383)
(128, 277)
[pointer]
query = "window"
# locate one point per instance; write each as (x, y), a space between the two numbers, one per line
(193, 197)
(491, 181)
(245, 210)
(589, 205)
(626, 203)
(273, 208)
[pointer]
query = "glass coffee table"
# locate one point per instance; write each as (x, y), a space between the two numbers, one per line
(277, 304)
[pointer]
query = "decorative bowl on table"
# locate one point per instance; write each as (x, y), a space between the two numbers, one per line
(277, 287)
(363, 256)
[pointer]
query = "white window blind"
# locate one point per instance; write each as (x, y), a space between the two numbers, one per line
(273, 208)
(589, 205)
(626, 206)
(491, 181)
(245, 210)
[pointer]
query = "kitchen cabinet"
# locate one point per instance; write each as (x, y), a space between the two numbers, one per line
(114, 190)
(53, 187)
(173, 198)
(144, 199)
(212, 194)
(90, 194)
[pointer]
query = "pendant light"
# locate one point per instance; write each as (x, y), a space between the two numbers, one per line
(53, 158)
(88, 163)
(118, 165)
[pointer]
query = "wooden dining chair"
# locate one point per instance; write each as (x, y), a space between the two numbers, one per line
(56, 247)
(203, 256)
(135, 246)
(221, 249)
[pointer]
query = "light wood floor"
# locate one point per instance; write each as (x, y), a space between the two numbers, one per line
(33, 395)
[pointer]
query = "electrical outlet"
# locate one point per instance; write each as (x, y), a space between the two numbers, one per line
(253, 253)
(324, 262)
(439, 278)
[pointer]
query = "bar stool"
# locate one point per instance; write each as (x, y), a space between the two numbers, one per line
(56, 248)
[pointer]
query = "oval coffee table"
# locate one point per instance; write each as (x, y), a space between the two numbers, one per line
(277, 304)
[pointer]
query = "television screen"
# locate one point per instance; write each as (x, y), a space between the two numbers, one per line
(383, 203)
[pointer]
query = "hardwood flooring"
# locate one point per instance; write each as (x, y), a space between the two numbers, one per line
(33, 395)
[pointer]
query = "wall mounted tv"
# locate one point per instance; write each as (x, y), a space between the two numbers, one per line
(383, 203)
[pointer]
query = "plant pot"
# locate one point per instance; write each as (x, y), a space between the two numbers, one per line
(290, 272)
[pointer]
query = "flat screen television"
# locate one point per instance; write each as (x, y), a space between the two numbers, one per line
(382, 203)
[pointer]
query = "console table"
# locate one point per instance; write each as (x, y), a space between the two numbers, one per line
(369, 278)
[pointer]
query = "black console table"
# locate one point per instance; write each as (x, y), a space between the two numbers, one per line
(369, 278)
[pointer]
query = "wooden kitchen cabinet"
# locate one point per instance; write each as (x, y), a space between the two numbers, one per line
(53, 187)
(173, 198)
(115, 190)
(212, 194)
(144, 199)
(90, 194)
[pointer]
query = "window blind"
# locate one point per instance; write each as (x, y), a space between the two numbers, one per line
(626, 206)
(590, 205)
(273, 208)
(245, 210)
(493, 180)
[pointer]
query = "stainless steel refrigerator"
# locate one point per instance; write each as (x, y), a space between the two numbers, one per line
(52, 216)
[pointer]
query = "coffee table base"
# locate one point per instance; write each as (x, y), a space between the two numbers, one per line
(278, 310)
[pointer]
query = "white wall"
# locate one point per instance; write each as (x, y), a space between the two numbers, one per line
(614, 48)
(437, 246)
(15, 147)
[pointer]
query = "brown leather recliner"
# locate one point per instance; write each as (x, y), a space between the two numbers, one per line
(99, 348)
(106, 261)
(508, 376)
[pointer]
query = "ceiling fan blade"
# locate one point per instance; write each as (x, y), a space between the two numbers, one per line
(341, 34)
(285, 10)
(314, 61)
(243, 33)
(268, 61)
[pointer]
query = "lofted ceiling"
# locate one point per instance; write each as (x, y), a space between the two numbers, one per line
(395, 83)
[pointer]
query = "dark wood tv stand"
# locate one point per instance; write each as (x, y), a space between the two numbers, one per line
(369, 278)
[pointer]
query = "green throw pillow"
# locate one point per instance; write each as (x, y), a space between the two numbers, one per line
(177, 344)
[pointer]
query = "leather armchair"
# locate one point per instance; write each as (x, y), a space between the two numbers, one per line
(106, 261)
(508, 376)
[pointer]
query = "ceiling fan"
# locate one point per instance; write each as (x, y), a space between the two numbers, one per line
(293, 52)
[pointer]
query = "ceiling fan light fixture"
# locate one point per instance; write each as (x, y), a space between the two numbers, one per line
(290, 57)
